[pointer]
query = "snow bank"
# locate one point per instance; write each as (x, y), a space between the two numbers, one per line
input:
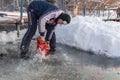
(91, 34)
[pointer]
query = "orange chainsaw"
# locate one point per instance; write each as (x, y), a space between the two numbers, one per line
(42, 47)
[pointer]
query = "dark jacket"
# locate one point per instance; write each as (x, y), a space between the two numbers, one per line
(42, 7)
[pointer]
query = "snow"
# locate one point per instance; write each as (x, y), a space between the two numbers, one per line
(91, 34)
(86, 33)
(8, 37)
(96, 0)
(13, 13)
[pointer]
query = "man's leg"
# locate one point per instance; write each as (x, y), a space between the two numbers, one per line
(53, 42)
(53, 38)
(32, 26)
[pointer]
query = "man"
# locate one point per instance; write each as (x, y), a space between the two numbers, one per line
(47, 16)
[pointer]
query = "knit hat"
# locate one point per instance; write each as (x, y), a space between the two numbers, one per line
(65, 17)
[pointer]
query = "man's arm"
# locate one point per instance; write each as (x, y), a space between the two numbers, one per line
(46, 17)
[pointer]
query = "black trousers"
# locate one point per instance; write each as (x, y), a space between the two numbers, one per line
(49, 33)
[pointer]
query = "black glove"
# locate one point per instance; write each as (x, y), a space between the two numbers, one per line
(42, 33)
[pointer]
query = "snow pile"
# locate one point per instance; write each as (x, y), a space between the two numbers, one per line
(8, 37)
(91, 34)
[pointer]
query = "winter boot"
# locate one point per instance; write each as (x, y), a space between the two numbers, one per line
(24, 56)
(52, 51)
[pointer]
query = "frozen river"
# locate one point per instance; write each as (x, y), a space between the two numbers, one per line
(66, 64)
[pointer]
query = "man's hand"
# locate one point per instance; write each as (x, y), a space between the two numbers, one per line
(42, 37)
(47, 42)
(42, 33)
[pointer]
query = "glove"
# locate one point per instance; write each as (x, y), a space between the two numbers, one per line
(42, 33)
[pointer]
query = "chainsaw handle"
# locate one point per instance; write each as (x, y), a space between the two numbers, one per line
(47, 42)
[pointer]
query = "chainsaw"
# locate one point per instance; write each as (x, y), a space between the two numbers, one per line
(42, 48)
